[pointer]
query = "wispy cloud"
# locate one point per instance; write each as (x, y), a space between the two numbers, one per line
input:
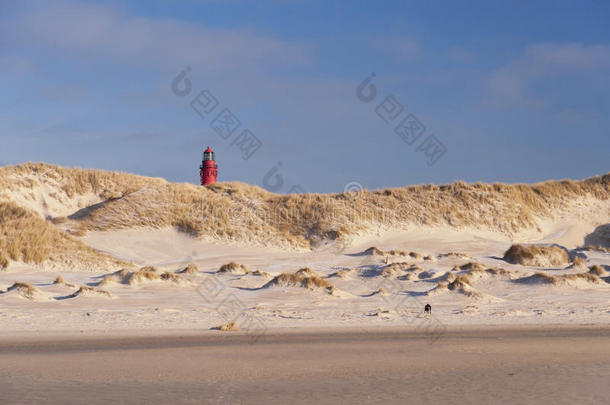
(102, 31)
(400, 47)
(515, 82)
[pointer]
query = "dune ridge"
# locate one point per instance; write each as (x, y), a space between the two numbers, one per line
(82, 200)
(28, 238)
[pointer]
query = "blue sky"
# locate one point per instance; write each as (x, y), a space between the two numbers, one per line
(511, 91)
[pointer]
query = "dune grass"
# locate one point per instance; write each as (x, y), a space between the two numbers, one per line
(304, 278)
(240, 212)
(375, 251)
(26, 290)
(59, 280)
(597, 248)
(579, 261)
(472, 266)
(460, 282)
(227, 327)
(544, 278)
(233, 267)
(537, 256)
(26, 237)
(86, 291)
(191, 268)
(144, 274)
(598, 270)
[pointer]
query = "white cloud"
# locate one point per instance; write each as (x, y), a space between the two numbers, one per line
(101, 31)
(513, 82)
(402, 48)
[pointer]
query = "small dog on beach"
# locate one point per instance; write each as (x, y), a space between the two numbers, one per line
(428, 309)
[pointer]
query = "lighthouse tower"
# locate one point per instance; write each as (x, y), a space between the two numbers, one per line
(208, 171)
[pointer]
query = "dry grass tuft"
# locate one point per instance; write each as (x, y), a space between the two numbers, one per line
(479, 270)
(176, 278)
(373, 250)
(3, 261)
(460, 283)
(588, 277)
(472, 266)
(390, 272)
(26, 237)
(498, 271)
(109, 279)
(455, 254)
(598, 270)
(597, 248)
(398, 268)
(86, 291)
(303, 279)
(419, 256)
(307, 272)
(448, 277)
(538, 256)
(133, 278)
(233, 268)
(60, 281)
(26, 290)
(144, 274)
(543, 278)
(58, 220)
(440, 288)
(260, 273)
(227, 327)
(579, 262)
(191, 268)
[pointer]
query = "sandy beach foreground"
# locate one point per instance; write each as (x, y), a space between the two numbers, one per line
(526, 366)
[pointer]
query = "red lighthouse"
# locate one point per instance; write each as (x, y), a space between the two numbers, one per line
(208, 171)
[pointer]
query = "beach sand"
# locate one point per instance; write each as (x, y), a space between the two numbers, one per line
(465, 366)
(124, 289)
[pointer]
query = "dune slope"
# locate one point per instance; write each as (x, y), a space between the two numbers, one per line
(81, 200)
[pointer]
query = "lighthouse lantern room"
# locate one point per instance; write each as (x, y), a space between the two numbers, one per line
(208, 171)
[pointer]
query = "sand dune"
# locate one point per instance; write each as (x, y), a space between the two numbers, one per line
(374, 251)
(139, 239)
(191, 268)
(31, 239)
(304, 278)
(141, 276)
(86, 291)
(147, 274)
(490, 272)
(574, 280)
(26, 291)
(60, 281)
(462, 284)
(99, 200)
(234, 268)
(538, 256)
(598, 270)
